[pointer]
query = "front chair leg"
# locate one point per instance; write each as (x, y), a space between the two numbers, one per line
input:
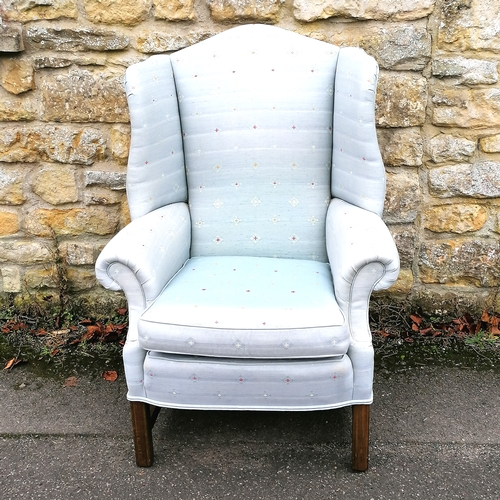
(143, 440)
(360, 436)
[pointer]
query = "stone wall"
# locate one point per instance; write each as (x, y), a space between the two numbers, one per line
(64, 131)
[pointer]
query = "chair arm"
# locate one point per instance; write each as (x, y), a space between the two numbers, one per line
(363, 258)
(145, 255)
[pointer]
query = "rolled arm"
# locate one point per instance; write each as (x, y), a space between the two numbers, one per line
(363, 258)
(145, 255)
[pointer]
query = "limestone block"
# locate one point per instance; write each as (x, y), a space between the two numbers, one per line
(81, 279)
(81, 146)
(479, 180)
(151, 42)
(17, 75)
(75, 39)
(84, 96)
(401, 147)
(9, 223)
(401, 100)
(41, 277)
(174, 10)
(445, 147)
(102, 196)
(466, 108)
(305, 10)
(14, 108)
(466, 71)
(128, 12)
(11, 279)
(120, 144)
(469, 25)
(25, 251)
(73, 221)
(405, 238)
(403, 47)
(402, 197)
(112, 180)
(403, 284)
(11, 186)
(11, 37)
(455, 218)
(34, 10)
(56, 185)
(79, 253)
(490, 144)
(470, 262)
(238, 10)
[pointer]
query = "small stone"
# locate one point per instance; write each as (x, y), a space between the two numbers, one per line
(465, 263)
(466, 108)
(174, 10)
(11, 279)
(75, 39)
(18, 108)
(480, 180)
(469, 25)
(9, 223)
(81, 279)
(79, 253)
(404, 47)
(405, 238)
(402, 197)
(127, 12)
(112, 180)
(61, 176)
(401, 100)
(490, 144)
(455, 218)
(49, 143)
(11, 37)
(11, 186)
(151, 42)
(250, 10)
(17, 75)
(120, 144)
(84, 96)
(466, 71)
(401, 147)
(446, 147)
(73, 221)
(305, 10)
(35, 10)
(25, 251)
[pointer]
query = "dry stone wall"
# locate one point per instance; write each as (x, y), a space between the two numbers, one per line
(64, 133)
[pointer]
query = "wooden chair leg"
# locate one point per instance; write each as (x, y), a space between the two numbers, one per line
(360, 437)
(143, 439)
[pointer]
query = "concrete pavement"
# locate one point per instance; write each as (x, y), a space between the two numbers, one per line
(435, 434)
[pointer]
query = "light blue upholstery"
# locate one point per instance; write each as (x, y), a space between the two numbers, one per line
(256, 186)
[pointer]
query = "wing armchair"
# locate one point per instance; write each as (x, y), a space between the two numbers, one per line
(256, 187)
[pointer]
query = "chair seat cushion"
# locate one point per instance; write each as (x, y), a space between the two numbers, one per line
(247, 307)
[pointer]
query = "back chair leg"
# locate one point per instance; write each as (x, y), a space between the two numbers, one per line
(360, 437)
(143, 440)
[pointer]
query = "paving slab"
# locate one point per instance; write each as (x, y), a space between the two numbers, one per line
(434, 435)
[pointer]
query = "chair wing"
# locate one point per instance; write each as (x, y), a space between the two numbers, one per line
(156, 173)
(358, 175)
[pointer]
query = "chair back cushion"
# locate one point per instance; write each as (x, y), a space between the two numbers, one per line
(256, 109)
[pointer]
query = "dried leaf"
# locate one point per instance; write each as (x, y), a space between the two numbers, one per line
(485, 317)
(14, 362)
(71, 382)
(122, 311)
(110, 375)
(416, 319)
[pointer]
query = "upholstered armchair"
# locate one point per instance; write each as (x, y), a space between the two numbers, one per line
(256, 188)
